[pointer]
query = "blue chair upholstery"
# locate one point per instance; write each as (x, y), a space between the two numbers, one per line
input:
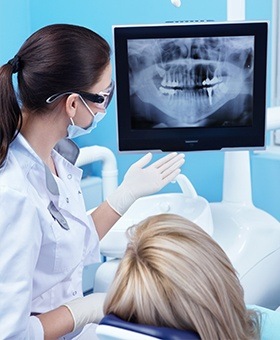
(142, 331)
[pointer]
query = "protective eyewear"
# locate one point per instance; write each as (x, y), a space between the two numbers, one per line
(103, 97)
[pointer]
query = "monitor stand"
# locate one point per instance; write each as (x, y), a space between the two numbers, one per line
(249, 236)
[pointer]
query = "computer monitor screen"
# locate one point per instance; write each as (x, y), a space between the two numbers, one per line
(191, 86)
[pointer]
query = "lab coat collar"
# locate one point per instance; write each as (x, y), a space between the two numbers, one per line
(62, 194)
(65, 148)
(68, 149)
(50, 182)
(22, 145)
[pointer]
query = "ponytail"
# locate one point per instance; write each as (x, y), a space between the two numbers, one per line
(10, 113)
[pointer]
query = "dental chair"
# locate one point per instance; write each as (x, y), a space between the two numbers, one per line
(249, 236)
(186, 203)
(113, 328)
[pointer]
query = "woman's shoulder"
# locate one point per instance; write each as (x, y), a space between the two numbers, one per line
(16, 203)
(13, 174)
(20, 161)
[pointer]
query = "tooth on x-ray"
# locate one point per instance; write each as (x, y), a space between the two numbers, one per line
(190, 79)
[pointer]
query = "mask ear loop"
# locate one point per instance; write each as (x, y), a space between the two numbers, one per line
(86, 105)
(71, 119)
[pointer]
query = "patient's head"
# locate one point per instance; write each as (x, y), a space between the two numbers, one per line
(174, 274)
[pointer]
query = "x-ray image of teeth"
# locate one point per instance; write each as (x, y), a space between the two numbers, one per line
(183, 82)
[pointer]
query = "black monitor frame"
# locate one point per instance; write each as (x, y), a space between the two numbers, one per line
(190, 136)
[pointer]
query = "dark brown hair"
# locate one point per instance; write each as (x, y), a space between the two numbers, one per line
(54, 59)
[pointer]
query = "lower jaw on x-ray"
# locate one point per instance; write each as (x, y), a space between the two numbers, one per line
(189, 82)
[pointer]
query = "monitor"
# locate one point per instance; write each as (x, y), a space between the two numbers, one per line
(191, 86)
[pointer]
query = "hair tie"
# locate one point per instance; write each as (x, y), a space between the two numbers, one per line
(15, 63)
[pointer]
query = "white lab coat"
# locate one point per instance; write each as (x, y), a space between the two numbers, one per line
(46, 238)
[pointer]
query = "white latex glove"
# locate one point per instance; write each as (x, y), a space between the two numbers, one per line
(141, 181)
(87, 309)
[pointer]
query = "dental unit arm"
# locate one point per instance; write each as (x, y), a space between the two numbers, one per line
(90, 154)
(249, 236)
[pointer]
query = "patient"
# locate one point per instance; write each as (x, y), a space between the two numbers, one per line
(174, 274)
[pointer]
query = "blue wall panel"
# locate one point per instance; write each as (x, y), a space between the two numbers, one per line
(14, 27)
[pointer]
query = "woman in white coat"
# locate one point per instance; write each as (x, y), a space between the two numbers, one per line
(46, 238)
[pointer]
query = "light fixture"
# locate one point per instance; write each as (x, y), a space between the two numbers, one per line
(176, 3)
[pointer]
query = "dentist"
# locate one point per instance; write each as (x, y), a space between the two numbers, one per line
(46, 238)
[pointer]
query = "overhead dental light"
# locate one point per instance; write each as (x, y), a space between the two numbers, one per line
(176, 3)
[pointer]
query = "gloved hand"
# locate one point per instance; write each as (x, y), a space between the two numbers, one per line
(141, 181)
(87, 309)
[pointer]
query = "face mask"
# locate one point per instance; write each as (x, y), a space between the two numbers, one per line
(77, 131)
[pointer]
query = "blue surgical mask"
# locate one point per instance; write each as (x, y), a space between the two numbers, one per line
(77, 131)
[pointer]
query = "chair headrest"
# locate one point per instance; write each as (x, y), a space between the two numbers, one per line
(157, 332)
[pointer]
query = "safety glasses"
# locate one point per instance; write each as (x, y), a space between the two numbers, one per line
(102, 98)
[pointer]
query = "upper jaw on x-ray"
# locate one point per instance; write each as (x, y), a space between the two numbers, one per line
(191, 81)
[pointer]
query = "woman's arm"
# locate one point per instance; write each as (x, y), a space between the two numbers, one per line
(20, 245)
(72, 316)
(104, 218)
(140, 180)
(56, 323)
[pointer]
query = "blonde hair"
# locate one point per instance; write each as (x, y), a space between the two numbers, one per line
(174, 274)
